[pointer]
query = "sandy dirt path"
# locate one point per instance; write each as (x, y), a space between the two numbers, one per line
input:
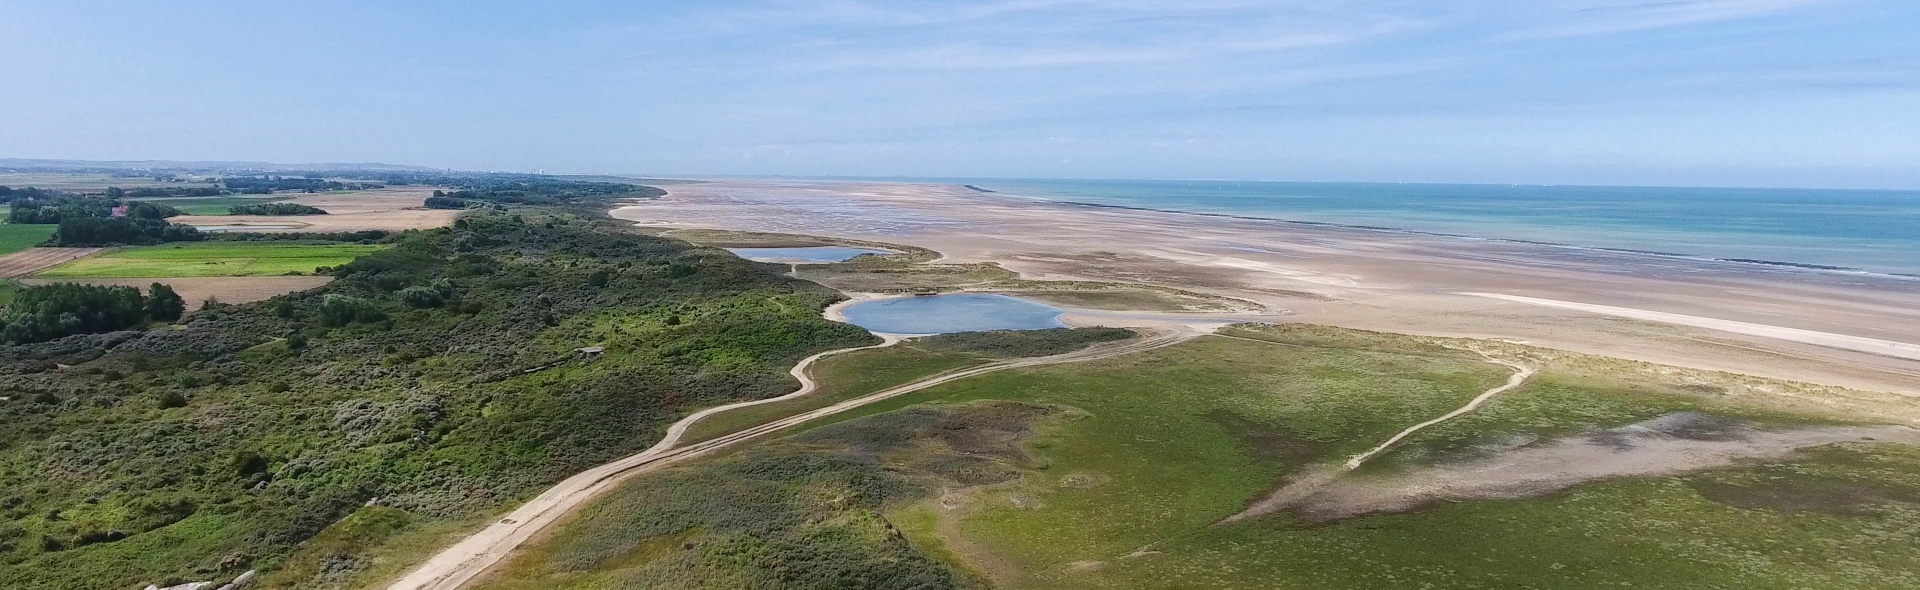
(1520, 374)
(456, 565)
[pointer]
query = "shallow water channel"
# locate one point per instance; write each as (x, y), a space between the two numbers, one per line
(941, 314)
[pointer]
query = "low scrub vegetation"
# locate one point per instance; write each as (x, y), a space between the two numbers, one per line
(1023, 343)
(805, 514)
(434, 378)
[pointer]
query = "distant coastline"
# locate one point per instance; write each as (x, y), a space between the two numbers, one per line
(1778, 264)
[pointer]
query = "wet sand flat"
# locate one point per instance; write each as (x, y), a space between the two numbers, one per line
(1375, 280)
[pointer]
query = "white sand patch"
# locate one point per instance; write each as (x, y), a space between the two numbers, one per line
(1841, 341)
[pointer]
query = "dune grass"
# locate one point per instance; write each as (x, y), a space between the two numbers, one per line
(1144, 454)
(210, 259)
(841, 377)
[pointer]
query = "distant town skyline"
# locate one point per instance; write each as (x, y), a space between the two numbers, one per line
(1789, 93)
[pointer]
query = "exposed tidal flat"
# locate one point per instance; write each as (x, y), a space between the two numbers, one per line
(1866, 230)
(1336, 259)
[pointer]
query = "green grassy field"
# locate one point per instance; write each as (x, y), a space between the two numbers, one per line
(14, 238)
(841, 378)
(1124, 487)
(213, 205)
(851, 375)
(209, 259)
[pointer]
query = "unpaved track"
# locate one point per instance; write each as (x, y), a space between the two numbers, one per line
(456, 565)
(1520, 374)
(32, 260)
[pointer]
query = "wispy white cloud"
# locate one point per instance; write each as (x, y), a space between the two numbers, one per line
(1573, 18)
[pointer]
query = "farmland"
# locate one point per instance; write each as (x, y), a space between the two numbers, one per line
(14, 238)
(1126, 468)
(213, 205)
(210, 259)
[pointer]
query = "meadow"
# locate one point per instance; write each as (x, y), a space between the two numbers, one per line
(1124, 481)
(212, 205)
(14, 238)
(211, 259)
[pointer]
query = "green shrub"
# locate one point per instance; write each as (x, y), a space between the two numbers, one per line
(275, 209)
(339, 310)
(163, 304)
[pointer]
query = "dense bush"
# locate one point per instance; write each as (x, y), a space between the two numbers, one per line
(42, 313)
(163, 304)
(107, 231)
(339, 310)
(437, 201)
(294, 418)
(275, 209)
(363, 236)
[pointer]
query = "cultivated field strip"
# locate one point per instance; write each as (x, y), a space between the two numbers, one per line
(455, 566)
(32, 260)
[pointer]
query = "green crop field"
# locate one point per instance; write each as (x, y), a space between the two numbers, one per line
(14, 238)
(1124, 485)
(210, 259)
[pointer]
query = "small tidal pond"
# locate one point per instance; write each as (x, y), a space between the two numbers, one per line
(941, 314)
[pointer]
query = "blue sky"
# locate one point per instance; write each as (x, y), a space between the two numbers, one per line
(1685, 92)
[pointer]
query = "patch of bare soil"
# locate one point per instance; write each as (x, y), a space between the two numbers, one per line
(197, 290)
(32, 260)
(1669, 445)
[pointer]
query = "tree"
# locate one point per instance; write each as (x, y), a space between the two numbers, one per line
(46, 312)
(163, 304)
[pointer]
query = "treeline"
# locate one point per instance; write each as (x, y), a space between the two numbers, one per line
(42, 313)
(367, 236)
(440, 200)
(35, 206)
(169, 192)
(97, 220)
(267, 185)
(436, 375)
(110, 231)
(275, 209)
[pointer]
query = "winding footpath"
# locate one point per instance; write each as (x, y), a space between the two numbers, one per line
(456, 565)
(1520, 374)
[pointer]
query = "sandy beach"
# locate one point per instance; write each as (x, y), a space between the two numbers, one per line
(1840, 329)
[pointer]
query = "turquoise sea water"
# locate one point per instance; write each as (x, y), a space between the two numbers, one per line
(1873, 231)
(941, 314)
